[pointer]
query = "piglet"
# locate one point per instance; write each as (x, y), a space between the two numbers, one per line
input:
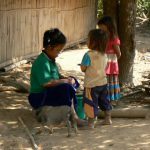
(54, 116)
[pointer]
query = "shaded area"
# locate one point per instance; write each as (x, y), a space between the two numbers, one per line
(123, 134)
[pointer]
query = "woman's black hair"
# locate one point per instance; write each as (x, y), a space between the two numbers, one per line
(53, 37)
(110, 23)
(98, 40)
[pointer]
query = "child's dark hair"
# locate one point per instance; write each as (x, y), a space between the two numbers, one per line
(53, 37)
(98, 40)
(111, 25)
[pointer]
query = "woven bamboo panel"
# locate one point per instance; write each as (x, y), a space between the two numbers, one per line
(23, 22)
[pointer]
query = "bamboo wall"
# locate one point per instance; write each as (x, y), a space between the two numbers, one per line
(23, 22)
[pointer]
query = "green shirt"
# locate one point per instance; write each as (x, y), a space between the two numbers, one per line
(43, 70)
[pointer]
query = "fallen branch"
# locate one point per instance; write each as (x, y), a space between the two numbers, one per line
(143, 20)
(29, 134)
(7, 88)
(23, 85)
(14, 65)
(128, 113)
(132, 93)
(18, 84)
(146, 100)
(140, 18)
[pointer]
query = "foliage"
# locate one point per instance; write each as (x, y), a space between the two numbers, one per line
(100, 9)
(143, 8)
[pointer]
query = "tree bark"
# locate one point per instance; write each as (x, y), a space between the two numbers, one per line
(110, 8)
(126, 28)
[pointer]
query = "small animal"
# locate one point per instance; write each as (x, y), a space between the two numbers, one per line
(54, 116)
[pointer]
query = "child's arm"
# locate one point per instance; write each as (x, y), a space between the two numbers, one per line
(86, 61)
(83, 68)
(117, 50)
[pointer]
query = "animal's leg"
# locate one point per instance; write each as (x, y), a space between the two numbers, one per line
(75, 126)
(73, 112)
(68, 125)
(73, 123)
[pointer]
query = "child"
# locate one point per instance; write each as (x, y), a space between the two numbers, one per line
(95, 81)
(113, 53)
(48, 87)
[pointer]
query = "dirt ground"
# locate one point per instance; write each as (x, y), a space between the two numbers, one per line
(123, 134)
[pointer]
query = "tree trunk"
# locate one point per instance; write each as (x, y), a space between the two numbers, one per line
(126, 28)
(124, 13)
(110, 8)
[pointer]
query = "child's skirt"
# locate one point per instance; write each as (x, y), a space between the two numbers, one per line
(59, 95)
(113, 87)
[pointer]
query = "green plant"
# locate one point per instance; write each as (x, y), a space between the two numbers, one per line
(100, 9)
(143, 8)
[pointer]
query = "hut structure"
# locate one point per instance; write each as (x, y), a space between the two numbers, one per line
(23, 22)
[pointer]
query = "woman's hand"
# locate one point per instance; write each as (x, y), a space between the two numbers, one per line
(71, 80)
(56, 82)
(64, 80)
(68, 80)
